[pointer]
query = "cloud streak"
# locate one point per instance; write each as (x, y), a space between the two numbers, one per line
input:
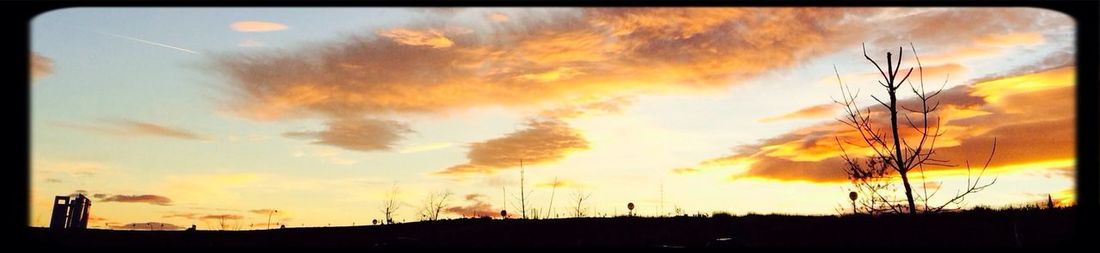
(137, 128)
(147, 198)
(151, 43)
(221, 217)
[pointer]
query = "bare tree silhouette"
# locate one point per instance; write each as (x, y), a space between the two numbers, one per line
(579, 196)
(390, 205)
(894, 153)
(434, 204)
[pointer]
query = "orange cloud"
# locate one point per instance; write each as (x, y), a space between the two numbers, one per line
(498, 17)
(430, 37)
(532, 63)
(357, 134)
(602, 52)
(158, 130)
(138, 128)
(951, 26)
(960, 54)
(41, 66)
(543, 141)
(610, 106)
(257, 26)
(812, 112)
(476, 208)
(1030, 115)
(590, 54)
(1011, 39)
(190, 216)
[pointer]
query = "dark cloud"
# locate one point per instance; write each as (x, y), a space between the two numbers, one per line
(263, 211)
(476, 207)
(221, 217)
(147, 198)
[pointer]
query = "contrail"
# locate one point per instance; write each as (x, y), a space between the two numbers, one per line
(151, 43)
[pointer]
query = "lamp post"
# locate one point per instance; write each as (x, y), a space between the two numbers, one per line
(853, 195)
(269, 218)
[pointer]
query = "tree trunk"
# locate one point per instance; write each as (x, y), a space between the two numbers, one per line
(898, 158)
(909, 194)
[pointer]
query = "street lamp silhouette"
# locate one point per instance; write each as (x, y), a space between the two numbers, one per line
(853, 196)
(269, 218)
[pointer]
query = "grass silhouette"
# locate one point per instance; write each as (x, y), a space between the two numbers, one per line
(1027, 226)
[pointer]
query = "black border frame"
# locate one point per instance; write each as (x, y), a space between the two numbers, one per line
(18, 15)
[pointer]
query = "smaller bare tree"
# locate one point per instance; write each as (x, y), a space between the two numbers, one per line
(390, 205)
(892, 153)
(579, 196)
(434, 205)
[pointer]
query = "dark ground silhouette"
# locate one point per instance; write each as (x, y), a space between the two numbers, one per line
(1011, 228)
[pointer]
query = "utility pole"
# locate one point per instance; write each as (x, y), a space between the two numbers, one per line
(522, 192)
(504, 195)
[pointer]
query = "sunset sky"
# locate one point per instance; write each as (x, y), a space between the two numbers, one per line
(196, 115)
